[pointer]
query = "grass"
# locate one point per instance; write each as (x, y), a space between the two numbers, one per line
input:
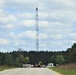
(64, 72)
(5, 67)
(66, 69)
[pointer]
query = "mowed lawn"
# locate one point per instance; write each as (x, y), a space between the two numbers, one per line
(65, 71)
(4, 68)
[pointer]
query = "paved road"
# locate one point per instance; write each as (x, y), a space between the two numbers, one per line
(28, 71)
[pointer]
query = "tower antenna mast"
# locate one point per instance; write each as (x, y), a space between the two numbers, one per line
(37, 31)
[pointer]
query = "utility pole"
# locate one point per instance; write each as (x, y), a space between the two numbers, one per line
(37, 31)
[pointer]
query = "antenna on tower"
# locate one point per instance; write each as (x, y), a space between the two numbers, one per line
(37, 31)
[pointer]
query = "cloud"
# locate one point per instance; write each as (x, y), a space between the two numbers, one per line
(24, 1)
(8, 19)
(2, 12)
(28, 23)
(29, 15)
(32, 23)
(20, 43)
(64, 2)
(16, 40)
(63, 15)
(56, 24)
(43, 15)
(57, 36)
(43, 36)
(3, 50)
(10, 26)
(28, 34)
(13, 35)
(32, 35)
(21, 5)
(43, 24)
(4, 41)
(72, 34)
(25, 15)
(2, 2)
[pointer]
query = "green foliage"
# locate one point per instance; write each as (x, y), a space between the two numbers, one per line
(17, 58)
(17, 63)
(5, 67)
(8, 59)
(60, 59)
(72, 54)
(64, 71)
(57, 59)
(26, 60)
(21, 58)
(40, 63)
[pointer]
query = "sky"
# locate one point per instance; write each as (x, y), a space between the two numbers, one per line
(57, 24)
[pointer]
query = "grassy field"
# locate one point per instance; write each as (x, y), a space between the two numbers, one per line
(4, 68)
(66, 69)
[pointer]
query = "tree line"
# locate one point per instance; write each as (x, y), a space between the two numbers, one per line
(20, 57)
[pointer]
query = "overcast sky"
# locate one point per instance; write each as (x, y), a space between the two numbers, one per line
(57, 24)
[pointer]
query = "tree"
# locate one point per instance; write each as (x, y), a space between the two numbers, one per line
(26, 60)
(8, 60)
(53, 59)
(40, 63)
(17, 63)
(21, 58)
(59, 59)
(72, 54)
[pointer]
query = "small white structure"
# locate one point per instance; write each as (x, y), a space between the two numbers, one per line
(50, 65)
(28, 65)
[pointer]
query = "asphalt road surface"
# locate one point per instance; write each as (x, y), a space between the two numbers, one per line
(28, 71)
